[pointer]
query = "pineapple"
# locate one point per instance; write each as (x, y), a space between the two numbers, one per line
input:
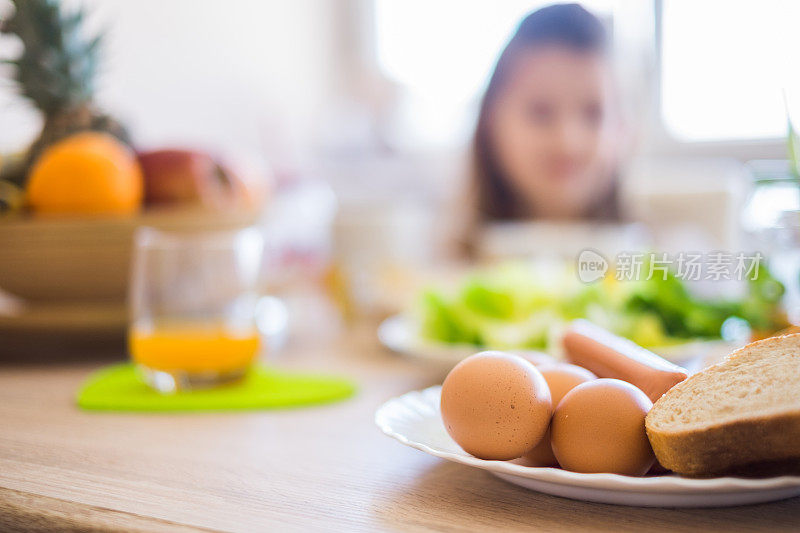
(56, 72)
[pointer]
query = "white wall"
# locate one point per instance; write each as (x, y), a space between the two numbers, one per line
(243, 75)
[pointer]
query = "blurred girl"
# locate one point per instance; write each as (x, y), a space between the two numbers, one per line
(547, 139)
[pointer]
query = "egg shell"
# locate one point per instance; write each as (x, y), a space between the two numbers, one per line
(496, 405)
(599, 427)
(561, 378)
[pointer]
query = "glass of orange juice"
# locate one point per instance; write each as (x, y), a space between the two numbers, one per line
(193, 302)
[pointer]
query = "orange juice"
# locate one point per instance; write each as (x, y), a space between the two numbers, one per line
(193, 349)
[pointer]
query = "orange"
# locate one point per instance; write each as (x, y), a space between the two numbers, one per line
(86, 173)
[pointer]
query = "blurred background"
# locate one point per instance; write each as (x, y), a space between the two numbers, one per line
(351, 122)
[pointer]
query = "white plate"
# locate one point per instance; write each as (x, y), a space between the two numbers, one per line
(414, 420)
(400, 333)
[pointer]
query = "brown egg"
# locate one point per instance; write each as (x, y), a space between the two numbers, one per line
(599, 427)
(561, 378)
(496, 405)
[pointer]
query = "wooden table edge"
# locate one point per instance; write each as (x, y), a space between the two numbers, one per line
(26, 511)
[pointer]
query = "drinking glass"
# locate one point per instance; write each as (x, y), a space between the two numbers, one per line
(193, 304)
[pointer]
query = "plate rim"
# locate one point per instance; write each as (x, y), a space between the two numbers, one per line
(441, 352)
(431, 351)
(664, 484)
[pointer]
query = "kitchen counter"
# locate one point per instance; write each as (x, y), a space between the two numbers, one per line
(317, 468)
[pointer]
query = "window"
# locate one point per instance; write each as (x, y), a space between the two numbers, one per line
(724, 68)
(441, 54)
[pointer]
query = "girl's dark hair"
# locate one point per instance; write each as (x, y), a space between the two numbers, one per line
(568, 25)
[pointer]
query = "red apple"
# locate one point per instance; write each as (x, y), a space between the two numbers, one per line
(185, 177)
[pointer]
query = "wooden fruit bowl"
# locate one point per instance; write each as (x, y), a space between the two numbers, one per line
(83, 259)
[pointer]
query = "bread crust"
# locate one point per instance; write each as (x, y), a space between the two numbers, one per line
(728, 446)
(733, 445)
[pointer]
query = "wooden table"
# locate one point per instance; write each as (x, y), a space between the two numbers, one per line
(322, 468)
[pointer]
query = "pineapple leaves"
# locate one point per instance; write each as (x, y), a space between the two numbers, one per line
(56, 71)
(58, 64)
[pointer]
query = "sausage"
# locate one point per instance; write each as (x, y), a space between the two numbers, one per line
(610, 356)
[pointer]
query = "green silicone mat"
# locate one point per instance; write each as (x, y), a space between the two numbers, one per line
(119, 388)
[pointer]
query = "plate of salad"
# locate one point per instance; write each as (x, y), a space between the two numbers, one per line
(527, 306)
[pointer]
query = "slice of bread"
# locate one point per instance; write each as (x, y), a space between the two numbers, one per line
(742, 411)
